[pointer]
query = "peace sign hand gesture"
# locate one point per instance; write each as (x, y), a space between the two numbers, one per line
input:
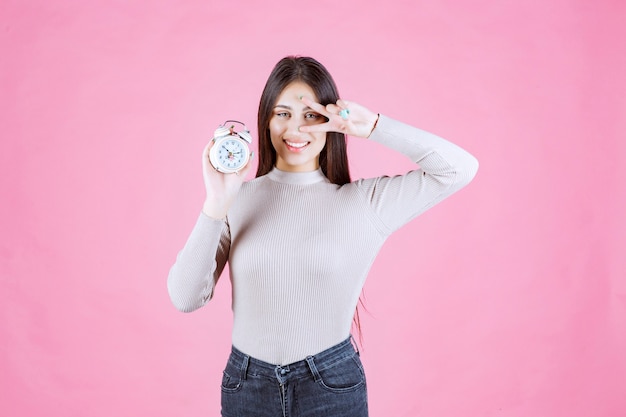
(343, 117)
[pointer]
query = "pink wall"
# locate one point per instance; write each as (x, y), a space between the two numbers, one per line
(507, 300)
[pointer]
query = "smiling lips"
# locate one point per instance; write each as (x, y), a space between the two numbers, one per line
(296, 146)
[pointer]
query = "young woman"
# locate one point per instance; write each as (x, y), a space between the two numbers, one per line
(300, 239)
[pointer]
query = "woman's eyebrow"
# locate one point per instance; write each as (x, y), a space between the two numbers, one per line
(284, 106)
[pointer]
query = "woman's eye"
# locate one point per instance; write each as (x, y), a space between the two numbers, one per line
(282, 114)
(312, 116)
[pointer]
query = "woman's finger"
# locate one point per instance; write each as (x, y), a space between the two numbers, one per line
(205, 152)
(333, 108)
(244, 171)
(316, 106)
(330, 126)
(343, 104)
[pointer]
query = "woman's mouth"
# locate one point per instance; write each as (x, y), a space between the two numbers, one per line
(296, 146)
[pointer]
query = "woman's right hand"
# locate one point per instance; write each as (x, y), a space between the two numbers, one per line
(221, 189)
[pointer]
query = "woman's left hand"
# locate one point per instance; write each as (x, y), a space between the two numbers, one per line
(343, 117)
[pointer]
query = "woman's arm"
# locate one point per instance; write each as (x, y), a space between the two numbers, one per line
(199, 264)
(444, 168)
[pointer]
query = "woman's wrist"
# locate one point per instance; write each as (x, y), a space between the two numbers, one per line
(374, 123)
(213, 212)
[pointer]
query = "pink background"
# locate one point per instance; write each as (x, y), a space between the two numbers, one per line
(509, 299)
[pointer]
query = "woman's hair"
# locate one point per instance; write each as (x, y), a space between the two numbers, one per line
(334, 157)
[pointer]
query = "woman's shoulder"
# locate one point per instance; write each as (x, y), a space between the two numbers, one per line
(256, 182)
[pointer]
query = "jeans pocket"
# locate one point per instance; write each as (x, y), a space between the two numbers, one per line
(230, 383)
(344, 376)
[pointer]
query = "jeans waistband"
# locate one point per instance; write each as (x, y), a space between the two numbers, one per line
(306, 367)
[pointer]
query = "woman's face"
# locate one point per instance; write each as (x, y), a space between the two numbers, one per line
(296, 151)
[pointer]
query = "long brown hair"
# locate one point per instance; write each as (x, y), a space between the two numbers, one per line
(334, 156)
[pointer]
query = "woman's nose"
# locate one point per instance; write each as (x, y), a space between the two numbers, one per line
(293, 126)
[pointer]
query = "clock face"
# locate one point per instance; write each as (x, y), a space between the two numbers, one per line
(232, 154)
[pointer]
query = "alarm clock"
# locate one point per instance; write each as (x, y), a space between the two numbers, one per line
(231, 151)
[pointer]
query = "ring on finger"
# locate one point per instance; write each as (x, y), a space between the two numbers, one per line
(344, 113)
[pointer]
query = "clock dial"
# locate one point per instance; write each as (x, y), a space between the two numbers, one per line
(232, 154)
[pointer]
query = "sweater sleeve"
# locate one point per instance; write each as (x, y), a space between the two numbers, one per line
(199, 264)
(444, 168)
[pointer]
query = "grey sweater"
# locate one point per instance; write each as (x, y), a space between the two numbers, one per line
(299, 248)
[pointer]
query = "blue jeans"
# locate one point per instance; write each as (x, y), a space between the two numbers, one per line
(328, 384)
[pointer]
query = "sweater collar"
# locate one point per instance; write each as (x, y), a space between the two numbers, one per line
(297, 178)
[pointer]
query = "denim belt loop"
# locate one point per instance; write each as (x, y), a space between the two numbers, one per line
(354, 344)
(313, 368)
(244, 366)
